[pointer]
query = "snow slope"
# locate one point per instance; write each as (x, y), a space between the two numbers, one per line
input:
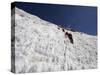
(42, 46)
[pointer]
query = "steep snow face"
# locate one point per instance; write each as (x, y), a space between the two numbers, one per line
(43, 46)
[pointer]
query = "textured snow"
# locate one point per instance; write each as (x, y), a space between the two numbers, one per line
(40, 46)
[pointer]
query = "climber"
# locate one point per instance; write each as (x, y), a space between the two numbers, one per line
(66, 33)
(63, 29)
(69, 36)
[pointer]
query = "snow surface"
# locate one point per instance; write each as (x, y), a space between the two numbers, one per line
(40, 46)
